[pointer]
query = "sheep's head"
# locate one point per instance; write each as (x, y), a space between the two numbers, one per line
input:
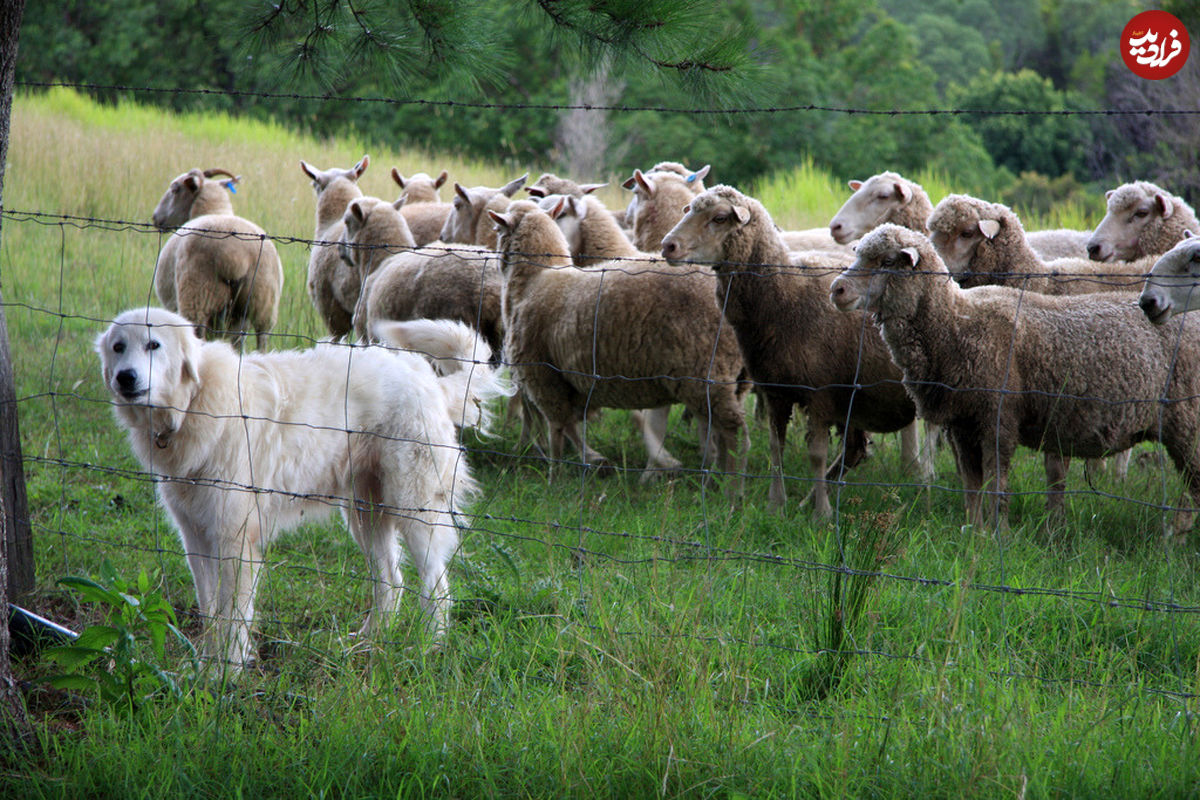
(874, 202)
(550, 184)
(468, 208)
(658, 196)
(960, 224)
(708, 222)
(419, 188)
(1173, 286)
(887, 256)
(372, 229)
(323, 179)
(178, 203)
(1132, 209)
(568, 213)
(526, 234)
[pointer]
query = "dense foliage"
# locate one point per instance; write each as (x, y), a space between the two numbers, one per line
(880, 56)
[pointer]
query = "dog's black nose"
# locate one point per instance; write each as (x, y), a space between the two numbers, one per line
(127, 379)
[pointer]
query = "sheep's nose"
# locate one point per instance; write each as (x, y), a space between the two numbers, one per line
(838, 291)
(1149, 304)
(670, 249)
(127, 379)
(1093, 251)
(835, 228)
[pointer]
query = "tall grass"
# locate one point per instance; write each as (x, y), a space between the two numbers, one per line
(611, 639)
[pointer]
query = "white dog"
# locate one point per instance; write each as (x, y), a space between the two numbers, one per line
(248, 446)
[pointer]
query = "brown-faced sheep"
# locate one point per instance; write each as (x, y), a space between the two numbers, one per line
(1173, 286)
(997, 367)
(468, 222)
(423, 210)
(984, 244)
(332, 283)
(658, 200)
(402, 282)
(613, 338)
(218, 270)
(798, 350)
(1142, 220)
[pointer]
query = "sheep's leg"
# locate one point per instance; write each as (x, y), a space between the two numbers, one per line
(590, 457)
(916, 453)
(996, 457)
(1056, 482)
(969, 459)
(817, 435)
(653, 423)
(1186, 456)
(780, 415)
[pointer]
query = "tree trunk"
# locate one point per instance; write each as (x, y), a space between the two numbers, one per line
(14, 508)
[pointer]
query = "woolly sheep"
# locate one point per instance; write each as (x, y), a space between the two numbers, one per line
(659, 198)
(1172, 286)
(422, 209)
(332, 284)
(548, 183)
(569, 332)
(399, 282)
(886, 197)
(1142, 220)
(998, 367)
(218, 270)
(798, 350)
(984, 243)
(468, 222)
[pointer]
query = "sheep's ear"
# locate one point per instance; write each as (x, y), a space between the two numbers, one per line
(361, 167)
(397, 177)
(510, 188)
(192, 182)
(535, 191)
(1109, 193)
(1165, 206)
(914, 257)
(437, 184)
(588, 188)
(699, 174)
(578, 206)
(989, 228)
(903, 191)
(855, 185)
(559, 207)
(643, 181)
(400, 201)
(461, 191)
(355, 209)
(1187, 234)
(742, 213)
(629, 182)
(501, 220)
(308, 169)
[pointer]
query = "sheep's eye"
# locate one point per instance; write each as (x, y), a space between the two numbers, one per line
(153, 344)
(118, 347)
(721, 219)
(967, 234)
(889, 260)
(1141, 212)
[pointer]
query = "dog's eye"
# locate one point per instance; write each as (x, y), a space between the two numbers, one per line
(153, 344)
(118, 347)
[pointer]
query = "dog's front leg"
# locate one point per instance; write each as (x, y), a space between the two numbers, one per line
(240, 560)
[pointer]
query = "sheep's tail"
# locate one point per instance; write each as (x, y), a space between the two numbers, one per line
(461, 358)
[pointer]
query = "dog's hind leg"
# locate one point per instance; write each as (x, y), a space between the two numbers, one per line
(432, 541)
(374, 529)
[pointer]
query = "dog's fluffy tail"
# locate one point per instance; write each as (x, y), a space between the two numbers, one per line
(461, 357)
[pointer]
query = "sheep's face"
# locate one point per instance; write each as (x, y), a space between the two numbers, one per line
(1131, 210)
(464, 211)
(957, 237)
(872, 204)
(883, 256)
(175, 206)
(1173, 286)
(700, 236)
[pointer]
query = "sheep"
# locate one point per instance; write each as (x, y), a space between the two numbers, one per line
(1171, 287)
(217, 269)
(659, 198)
(796, 348)
(570, 332)
(468, 223)
(997, 367)
(402, 282)
(984, 243)
(1141, 220)
(332, 284)
(548, 183)
(886, 197)
(423, 210)
(1059, 243)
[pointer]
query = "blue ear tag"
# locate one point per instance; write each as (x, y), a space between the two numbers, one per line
(229, 185)
(691, 178)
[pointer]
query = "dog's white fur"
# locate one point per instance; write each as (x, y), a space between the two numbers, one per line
(249, 446)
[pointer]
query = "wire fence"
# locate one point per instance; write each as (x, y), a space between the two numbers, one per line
(85, 457)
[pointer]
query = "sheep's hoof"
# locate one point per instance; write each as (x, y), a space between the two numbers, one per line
(604, 468)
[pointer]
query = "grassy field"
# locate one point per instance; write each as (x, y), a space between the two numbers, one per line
(611, 639)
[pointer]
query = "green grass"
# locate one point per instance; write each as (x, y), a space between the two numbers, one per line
(610, 639)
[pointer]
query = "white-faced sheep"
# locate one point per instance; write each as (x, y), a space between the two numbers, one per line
(1142, 220)
(1173, 286)
(332, 283)
(468, 222)
(423, 210)
(886, 197)
(984, 243)
(548, 183)
(659, 198)
(218, 270)
(997, 367)
(401, 282)
(798, 350)
(613, 338)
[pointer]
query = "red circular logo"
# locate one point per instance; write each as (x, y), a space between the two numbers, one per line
(1155, 45)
